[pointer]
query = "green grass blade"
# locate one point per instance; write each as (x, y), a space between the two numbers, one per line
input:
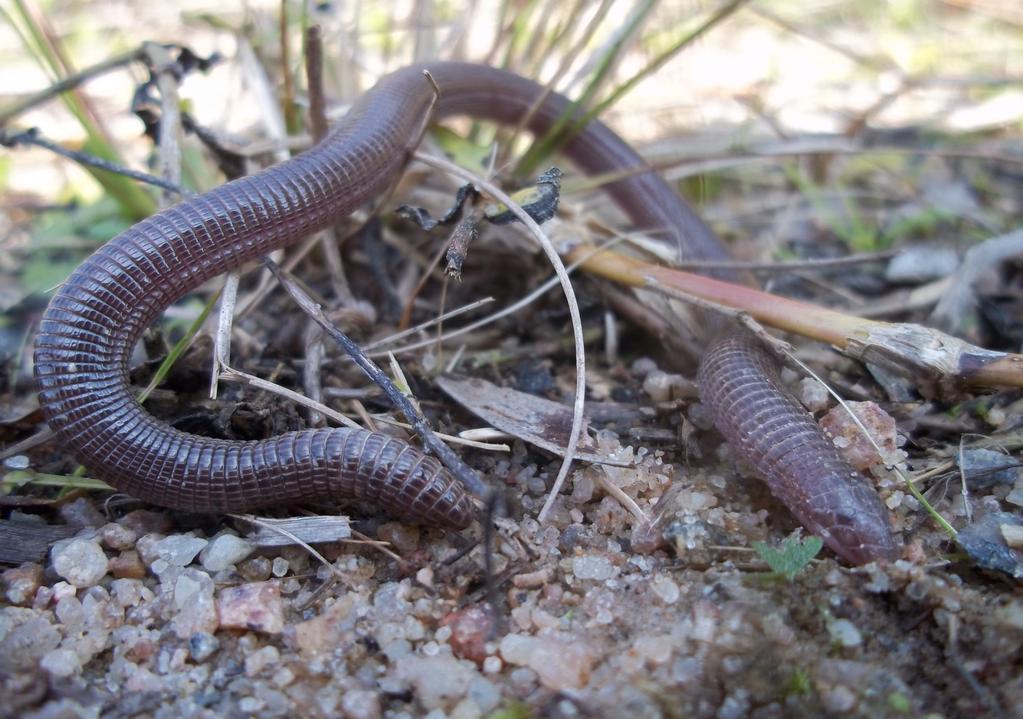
(560, 132)
(179, 349)
(670, 52)
(22, 477)
(566, 127)
(132, 199)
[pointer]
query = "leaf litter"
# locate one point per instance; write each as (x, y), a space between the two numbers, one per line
(600, 612)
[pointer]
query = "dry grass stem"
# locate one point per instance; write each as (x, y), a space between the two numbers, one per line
(222, 336)
(230, 374)
(910, 350)
(573, 308)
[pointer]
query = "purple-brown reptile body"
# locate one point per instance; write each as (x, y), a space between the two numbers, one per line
(91, 325)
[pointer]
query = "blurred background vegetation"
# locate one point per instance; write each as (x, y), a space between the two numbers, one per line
(746, 104)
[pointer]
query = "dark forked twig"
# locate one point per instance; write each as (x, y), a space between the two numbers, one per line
(31, 136)
(418, 422)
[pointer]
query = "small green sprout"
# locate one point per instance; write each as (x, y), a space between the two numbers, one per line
(899, 703)
(798, 683)
(791, 558)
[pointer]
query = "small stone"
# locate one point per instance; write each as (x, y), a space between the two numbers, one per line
(146, 547)
(844, 633)
(642, 366)
(1010, 615)
(1015, 496)
(178, 550)
(26, 643)
(80, 561)
(396, 649)
(360, 704)
(127, 592)
(279, 567)
(225, 551)
(283, 677)
(322, 634)
(22, 582)
(701, 416)
(654, 649)
(523, 617)
(259, 661)
(590, 566)
(657, 386)
(16, 462)
(470, 629)
(298, 559)
(61, 663)
(63, 589)
(544, 620)
(137, 645)
(117, 536)
(1012, 534)
(839, 700)
(665, 588)
(776, 630)
(560, 666)
(813, 394)
(391, 601)
(70, 612)
(857, 449)
(256, 607)
(404, 537)
(693, 501)
(195, 610)
(414, 629)
(256, 569)
(531, 580)
(424, 575)
(984, 542)
(986, 468)
(485, 694)
(523, 678)
(537, 486)
(465, 709)
(43, 596)
(894, 500)
(82, 513)
(250, 705)
(202, 645)
(143, 522)
(583, 485)
(144, 681)
(127, 565)
(599, 604)
(735, 706)
(437, 681)
(572, 536)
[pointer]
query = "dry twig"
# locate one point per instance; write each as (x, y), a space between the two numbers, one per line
(573, 309)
